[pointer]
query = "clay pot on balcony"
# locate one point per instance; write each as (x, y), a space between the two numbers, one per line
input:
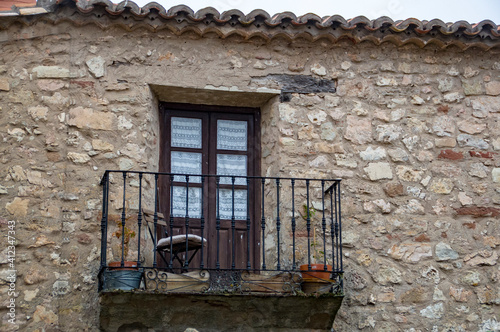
(316, 280)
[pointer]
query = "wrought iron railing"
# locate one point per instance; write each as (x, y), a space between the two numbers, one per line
(251, 234)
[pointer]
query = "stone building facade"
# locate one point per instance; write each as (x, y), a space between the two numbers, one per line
(413, 129)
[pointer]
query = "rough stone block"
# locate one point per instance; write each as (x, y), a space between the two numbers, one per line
(18, 207)
(444, 252)
(97, 66)
(446, 142)
(359, 131)
(51, 72)
(81, 117)
(378, 171)
(495, 174)
(4, 84)
(38, 113)
(493, 88)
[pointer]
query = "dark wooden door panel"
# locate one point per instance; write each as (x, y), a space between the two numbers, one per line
(209, 152)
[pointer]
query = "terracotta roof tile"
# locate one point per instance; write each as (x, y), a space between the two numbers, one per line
(259, 24)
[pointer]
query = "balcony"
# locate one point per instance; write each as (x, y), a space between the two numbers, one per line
(260, 247)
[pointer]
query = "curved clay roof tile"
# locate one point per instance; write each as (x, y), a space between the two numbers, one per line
(328, 21)
(278, 18)
(309, 17)
(382, 22)
(230, 14)
(354, 22)
(202, 14)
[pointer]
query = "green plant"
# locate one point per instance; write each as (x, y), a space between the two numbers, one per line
(318, 254)
(127, 235)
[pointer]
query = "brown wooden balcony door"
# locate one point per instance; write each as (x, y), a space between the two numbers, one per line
(216, 141)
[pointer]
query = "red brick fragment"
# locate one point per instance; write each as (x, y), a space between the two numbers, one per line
(443, 108)
(83, 84)
(83, 238)
(478, 211)
(470, 225)
(450, 154)
(422, 238)
(480, 154)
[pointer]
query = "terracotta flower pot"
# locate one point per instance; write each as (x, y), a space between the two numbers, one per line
(317, 272)
(316, 280)
(127, 265)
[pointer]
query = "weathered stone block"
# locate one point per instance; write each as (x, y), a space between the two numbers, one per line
(51, 85)
(51, 72)
(472, 87)
(100, 145)
(393, 189)
(472, 141)
(444, 252)
(495, 175)
(378, 171)
(434, 311)
(373, 155)
(470, 126)
(410, 252)
(78, 158)
(359, 131)
(484, 257)
(4, 84)
(38, 113)
(18, 207)
(493, 88)
(97, 66)
(442, 186)
(81, 117)
(408, 174)
(388, 133)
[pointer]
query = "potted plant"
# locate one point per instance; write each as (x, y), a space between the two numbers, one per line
(128, 276)
(127, 234)
(314, 277)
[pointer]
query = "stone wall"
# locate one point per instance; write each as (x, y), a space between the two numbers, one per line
(413, 132)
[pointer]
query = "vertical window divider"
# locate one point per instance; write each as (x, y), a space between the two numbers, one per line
(263, 225)
(233, 225)
(186, 222)
(248, 223)
(202, 219)
(217, 222)
(171, 221)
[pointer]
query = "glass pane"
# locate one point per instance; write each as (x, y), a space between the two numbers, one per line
(186, 163)
(226, 204)
(229, 164)
(186, 133)
(231, 135)
(179, 202)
